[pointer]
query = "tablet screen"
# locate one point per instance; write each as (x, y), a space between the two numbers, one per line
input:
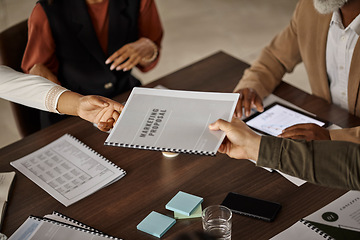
(277, 117)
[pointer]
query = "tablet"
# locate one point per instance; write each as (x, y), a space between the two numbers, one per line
(277, 117)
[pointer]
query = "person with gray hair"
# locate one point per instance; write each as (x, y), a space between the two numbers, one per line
(323, 34)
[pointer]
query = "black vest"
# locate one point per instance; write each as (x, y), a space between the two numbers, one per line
(81, 59)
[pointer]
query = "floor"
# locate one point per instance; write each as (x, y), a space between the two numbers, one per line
(193, 30)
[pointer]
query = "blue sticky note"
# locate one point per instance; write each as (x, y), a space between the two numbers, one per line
(184, 203)
(156, 224)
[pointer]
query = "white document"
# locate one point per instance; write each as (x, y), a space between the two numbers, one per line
(344, 212)
(35, 228)
(173, 121)
(68, 170)
(302, 230)
(26, 230)
(297, 181)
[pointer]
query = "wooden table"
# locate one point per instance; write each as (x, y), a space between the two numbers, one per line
(152, 180)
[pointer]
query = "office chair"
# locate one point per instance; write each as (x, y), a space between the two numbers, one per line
(12, 46)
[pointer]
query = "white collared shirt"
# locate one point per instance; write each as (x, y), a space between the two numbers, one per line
(339, 50)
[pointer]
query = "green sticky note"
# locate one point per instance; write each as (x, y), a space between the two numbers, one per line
(156, 224)
(196, 214)
(184, 203)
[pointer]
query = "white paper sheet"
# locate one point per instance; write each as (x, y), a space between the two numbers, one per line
(344, 212)
(68, 170)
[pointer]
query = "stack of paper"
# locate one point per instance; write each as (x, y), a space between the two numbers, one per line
(6, 180)
(57, 226)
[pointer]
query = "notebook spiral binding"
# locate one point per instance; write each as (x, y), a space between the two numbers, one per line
(160, 149)
(98, 154)
(74, 228)
(312, 227)
(76, 222)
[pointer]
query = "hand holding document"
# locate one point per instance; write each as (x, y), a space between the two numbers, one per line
(172, 121)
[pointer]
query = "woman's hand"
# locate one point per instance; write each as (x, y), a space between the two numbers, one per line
(96, 109)
(100, 110)
(132, 54)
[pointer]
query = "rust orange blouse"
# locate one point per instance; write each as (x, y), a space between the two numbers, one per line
(41, 46)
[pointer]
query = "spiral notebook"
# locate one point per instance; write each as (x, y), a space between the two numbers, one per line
(340, 218)
(302, 230)
(59, 217)
(38, 228)
(172, 121)
(68, 169)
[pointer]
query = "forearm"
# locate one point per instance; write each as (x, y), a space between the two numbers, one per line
(346, 134)
(263, 75)
(29, 90)
(327, 163)
(68, 103)
(279, 57)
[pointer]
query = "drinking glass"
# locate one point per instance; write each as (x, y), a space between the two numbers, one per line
(216, 221)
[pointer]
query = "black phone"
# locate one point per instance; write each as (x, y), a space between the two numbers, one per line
(253, 207)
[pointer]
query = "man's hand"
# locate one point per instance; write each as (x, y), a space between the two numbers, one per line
(41, 70)
(100, 110)
(248, 99)
(240, 142)
(307, 131)
(131, 54)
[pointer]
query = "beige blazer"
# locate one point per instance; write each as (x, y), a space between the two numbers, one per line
(304, 40)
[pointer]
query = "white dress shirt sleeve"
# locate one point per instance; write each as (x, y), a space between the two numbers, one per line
(29, 90)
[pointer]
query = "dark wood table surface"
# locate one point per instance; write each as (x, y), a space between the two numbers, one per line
(152, 180)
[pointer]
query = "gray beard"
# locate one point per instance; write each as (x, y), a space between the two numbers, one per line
(328, 6)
